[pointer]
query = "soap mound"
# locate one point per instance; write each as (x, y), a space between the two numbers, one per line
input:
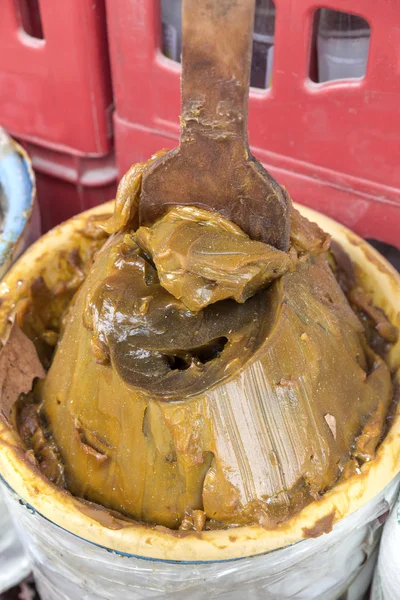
(202, 379)
(245, 412)
(152, 340)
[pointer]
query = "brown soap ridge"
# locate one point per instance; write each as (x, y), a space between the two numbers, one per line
(323, 525)
(307, 236)
(19, 366)
(38, 439)
(126, 212)
(380, 333)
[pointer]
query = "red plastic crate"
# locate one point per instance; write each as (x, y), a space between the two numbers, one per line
(334, 145)
(68, 184)
(59, 199)
(56, 91)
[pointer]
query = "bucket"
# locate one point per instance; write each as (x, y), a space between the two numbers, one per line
(81, 552)
(20, 226)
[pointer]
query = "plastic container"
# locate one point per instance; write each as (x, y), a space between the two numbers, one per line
(14, 562)
(55, 87)
(330, 144)
(68, 184)
(342, 45)
(19, 211)
(20, 225)
(67, 567)
(82, 552)
(56, 98)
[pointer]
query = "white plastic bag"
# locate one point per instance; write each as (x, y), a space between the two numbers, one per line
(67, 567)
(386, 584)
(14, 563)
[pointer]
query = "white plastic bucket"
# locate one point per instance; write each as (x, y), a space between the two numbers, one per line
(77, 554)
(14, 562)
(69, 568)
(386, 584)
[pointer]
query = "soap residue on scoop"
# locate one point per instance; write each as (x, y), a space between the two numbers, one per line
(201, 258)
(205, 380)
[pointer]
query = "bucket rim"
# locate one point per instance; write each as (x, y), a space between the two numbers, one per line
(158, 543)
(17, 194)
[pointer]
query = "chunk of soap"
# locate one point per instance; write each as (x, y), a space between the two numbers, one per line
(201, 258)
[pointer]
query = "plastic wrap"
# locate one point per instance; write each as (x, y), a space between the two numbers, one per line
(14, 564)
(67, 567)
(386, 584)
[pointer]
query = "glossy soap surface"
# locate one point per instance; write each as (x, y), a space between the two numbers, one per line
(231, 411)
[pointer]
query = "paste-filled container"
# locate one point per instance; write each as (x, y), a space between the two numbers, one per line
(325, 551)
(20, 226)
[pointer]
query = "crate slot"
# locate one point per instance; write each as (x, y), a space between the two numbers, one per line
(30, 18)
(342, 46)
(263, 38)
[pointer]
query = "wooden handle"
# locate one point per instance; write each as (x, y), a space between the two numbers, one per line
(216, 62)
(213, 167)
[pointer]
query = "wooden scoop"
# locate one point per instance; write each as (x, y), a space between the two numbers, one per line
(213, 168)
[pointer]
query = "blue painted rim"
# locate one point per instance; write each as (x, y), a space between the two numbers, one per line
(18, 191)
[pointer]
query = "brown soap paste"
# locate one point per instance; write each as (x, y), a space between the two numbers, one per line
(201, 258)
(205, 380)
